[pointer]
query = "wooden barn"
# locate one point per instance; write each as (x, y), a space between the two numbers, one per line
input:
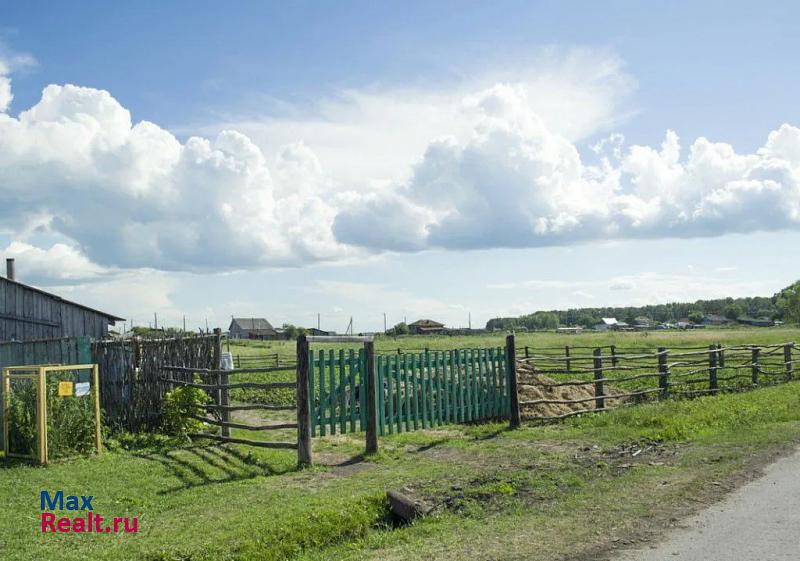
(252, 328)
(28, 313)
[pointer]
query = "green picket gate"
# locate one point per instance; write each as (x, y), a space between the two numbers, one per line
(414, 390)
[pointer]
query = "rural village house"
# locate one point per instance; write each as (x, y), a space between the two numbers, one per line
(252, 328)
(609, 324)
(426, 327)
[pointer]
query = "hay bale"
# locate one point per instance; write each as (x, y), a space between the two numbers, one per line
(534, 386)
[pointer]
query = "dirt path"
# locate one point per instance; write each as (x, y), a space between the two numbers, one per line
(760, 522)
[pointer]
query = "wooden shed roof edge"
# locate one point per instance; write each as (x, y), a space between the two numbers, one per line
(59, 298)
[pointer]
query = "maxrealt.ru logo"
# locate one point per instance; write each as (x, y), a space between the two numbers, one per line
(83, 504)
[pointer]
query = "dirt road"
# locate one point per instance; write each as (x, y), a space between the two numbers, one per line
(759, 522)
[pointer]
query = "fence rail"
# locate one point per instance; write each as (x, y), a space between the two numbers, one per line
(216, 383)
(617, 377)
(257, 360)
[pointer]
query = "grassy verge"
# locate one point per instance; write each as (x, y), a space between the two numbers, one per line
(536, 493)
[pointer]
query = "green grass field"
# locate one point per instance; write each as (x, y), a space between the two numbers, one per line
(536, 493)
(548, 343)
(538, 340)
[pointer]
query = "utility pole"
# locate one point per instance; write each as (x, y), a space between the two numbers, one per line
(318, 322)
(384, 323)
(206, 324)
(184, 323)
(470, 321)
(155, 320)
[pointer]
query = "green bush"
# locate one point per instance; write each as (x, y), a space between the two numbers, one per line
(22, 417)
(178, 405)
(70, 420)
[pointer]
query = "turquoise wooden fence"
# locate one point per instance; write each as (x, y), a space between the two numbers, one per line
(414, 390)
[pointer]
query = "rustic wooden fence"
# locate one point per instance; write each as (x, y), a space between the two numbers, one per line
(414, 390)
(259, 360)
(131, 389)
(613, 377)
(355, 390)
(216, 383)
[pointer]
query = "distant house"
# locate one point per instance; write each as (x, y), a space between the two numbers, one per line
(319, 332)
(252, 328)
(425, 327)
(641, 323)
(606, 324)
(756, 322)
(570, 330)
(28, 313)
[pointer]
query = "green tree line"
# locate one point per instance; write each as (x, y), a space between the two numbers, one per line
(784, 305)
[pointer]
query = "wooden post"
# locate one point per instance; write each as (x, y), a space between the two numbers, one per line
(614, 356)
(663, 373)
(755, 365)
(224, 400)
(217, 347)
(217, 379)
(98, 444)
(568, 361)
(787, 359)
(599, 392)
(372, 409)
(304, 454)
(41, 417)
(527, 352)
(712, 368)
(513, 395)
(720, 356)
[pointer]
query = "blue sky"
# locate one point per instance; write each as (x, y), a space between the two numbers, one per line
(418, 159)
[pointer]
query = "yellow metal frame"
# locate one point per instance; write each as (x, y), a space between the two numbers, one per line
(39, 373)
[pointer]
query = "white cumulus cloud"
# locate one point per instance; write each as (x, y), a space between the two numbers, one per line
(5, 87)
(513, 182)
(482, 165)
(132, 195)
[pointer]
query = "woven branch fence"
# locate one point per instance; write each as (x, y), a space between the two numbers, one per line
(131, 388)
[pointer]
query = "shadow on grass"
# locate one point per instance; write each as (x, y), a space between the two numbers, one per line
(434, 444)
(198, 466)
(490, 435)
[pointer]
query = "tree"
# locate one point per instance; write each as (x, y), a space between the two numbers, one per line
(732, 311)
(696, 316)
(788, 303)
(399, 329)
(587, 320)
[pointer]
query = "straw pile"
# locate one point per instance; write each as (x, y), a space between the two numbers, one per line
(531, 388)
